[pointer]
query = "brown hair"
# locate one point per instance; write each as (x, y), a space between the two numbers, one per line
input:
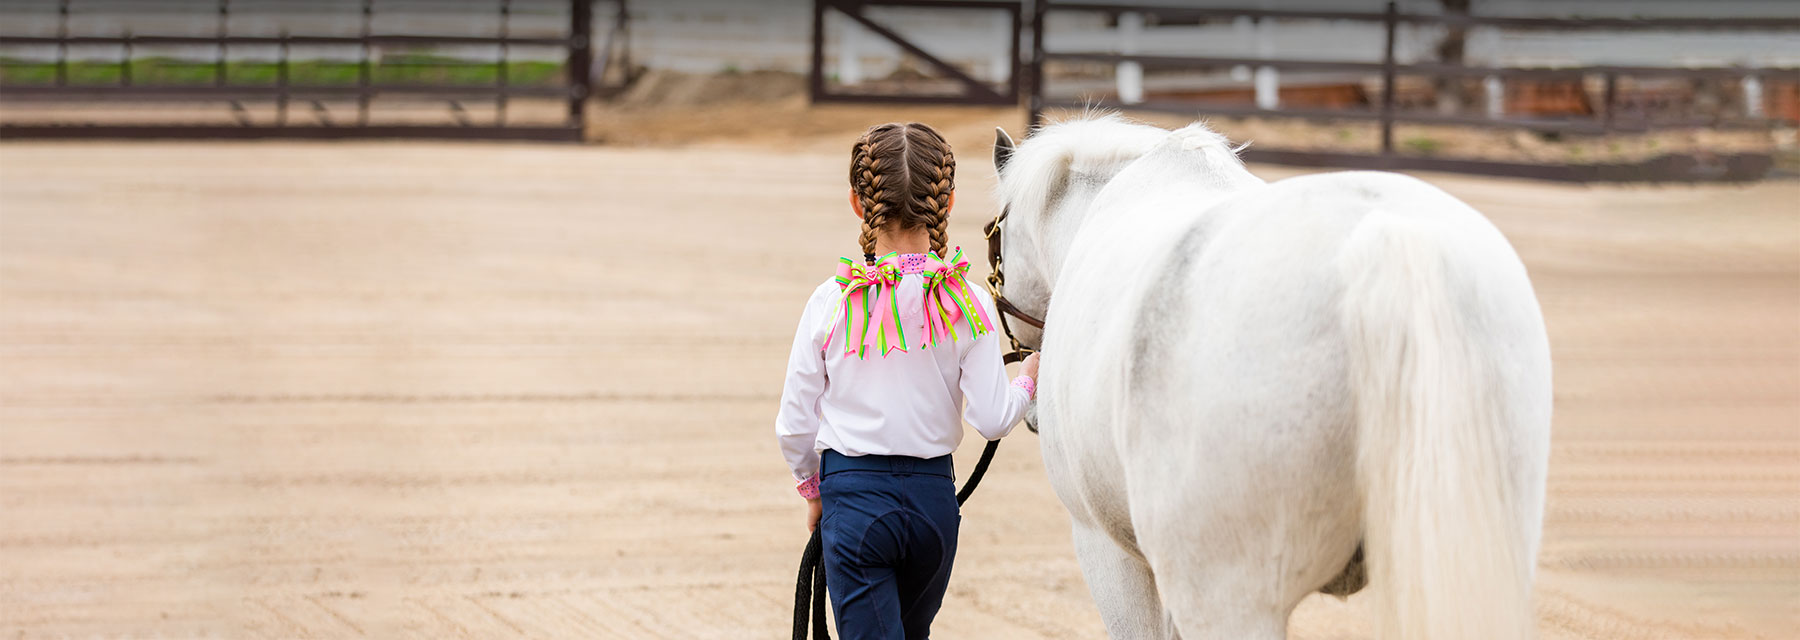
(903, 173)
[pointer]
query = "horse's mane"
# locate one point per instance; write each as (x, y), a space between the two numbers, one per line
(1090, 143)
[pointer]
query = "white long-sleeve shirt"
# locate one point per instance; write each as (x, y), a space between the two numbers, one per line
(902, 404)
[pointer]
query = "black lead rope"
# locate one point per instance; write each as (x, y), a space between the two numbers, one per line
(809, 594)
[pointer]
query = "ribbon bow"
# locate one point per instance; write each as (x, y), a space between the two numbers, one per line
(861, 283)
(948, 299)
(869, 303)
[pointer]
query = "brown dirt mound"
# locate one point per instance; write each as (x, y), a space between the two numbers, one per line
(673, 89)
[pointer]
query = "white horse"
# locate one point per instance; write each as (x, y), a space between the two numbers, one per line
(1243, 381)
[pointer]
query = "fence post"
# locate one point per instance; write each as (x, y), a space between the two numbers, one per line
(581, 59)
(815, 80)
(1036, 114)
(1493, 89)
(219, 64)
(365, 70)
(1268, 79)
(500, 73)
(1390, 19)
(281, 82)
(1129, 76)
(1753, 95)
(1612, 101)
(62, 43)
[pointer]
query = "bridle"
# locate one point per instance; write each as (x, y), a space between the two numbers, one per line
(996, 278)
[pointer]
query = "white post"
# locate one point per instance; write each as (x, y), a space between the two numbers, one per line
(1130, 74)
(1493, 89)
(1245, 28)
(1753, 96)
(849, 59)
(1268, 81)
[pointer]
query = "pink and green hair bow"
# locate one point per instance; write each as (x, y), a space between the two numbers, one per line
(872, 311)
(948, 299)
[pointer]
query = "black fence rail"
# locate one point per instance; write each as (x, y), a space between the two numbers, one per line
(575, 83)
(1385, 112)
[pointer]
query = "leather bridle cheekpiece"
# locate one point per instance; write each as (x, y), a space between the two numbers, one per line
(995, 280)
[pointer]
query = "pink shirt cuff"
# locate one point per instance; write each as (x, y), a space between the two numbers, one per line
(1026, 383)
(809, 488)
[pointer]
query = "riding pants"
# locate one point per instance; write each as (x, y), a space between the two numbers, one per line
(889, 528)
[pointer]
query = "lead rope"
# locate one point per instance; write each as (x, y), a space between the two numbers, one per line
(809, 590)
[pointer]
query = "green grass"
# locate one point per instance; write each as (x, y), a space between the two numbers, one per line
(391, 70)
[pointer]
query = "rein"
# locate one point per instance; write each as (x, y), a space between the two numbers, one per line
(809, 590)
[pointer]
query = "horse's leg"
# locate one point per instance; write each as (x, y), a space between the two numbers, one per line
(1122, 587)
(1238, 537)
(1233, 558)
(1224, 605)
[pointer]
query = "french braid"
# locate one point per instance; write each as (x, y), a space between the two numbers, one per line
(943, 183)
(867, 184)
(903, 175)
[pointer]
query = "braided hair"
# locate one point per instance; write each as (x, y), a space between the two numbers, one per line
(903, 175)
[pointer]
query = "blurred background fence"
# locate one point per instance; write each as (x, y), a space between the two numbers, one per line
(528, 68)
(1360, 72)
(260, 59)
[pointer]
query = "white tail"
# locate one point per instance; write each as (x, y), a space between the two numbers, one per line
(1450, 522)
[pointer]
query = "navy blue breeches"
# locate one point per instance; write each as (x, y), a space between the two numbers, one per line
(889, 531)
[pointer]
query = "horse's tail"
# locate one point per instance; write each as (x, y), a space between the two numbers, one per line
(1451, 512)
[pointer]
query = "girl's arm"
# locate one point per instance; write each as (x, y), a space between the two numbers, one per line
(994, 405)
(797, 422)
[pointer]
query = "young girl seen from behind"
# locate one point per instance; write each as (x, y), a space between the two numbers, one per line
(886, 354)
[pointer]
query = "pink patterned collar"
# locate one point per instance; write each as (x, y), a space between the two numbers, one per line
(911, 263)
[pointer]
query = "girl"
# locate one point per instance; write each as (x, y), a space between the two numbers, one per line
(886, 354)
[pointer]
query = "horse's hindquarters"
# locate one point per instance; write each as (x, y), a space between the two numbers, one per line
(1206, 420)
(1450, 366)
(1226, 382)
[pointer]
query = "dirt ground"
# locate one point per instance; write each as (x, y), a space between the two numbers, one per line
(289, 390)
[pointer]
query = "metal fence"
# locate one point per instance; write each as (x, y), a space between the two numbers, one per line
(1384, 111)
(572, 86)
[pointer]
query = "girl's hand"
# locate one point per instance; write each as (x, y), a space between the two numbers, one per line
(812, 514)
(1030, 366)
